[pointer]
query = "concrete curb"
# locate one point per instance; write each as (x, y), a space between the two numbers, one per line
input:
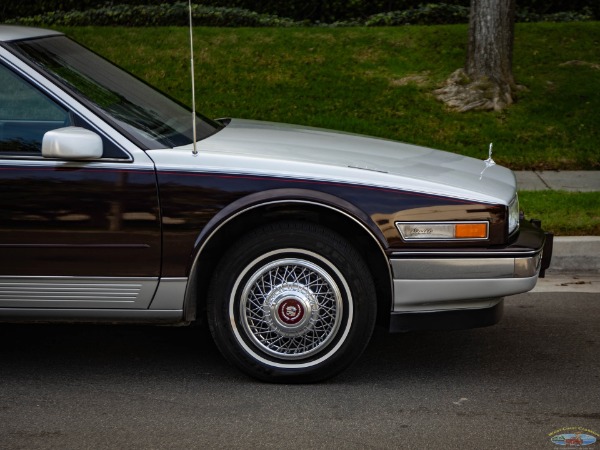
(576, 254)
(575, 266)
(571, 254)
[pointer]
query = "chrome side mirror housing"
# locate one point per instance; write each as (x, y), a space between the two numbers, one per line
(72, 143)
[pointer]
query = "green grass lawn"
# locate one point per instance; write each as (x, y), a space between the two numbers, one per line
(378, 81)
(564, 213)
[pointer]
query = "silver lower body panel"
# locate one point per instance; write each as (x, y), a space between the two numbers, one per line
(453, 283)
(78, 293)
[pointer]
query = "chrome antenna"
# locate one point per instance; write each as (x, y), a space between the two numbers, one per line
(194, 151)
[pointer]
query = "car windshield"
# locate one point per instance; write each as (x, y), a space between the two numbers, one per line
(147, 116)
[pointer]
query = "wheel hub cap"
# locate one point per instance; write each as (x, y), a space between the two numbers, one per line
(291, 308)
(290, 311)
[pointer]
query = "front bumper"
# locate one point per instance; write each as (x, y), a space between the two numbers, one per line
(461, 283)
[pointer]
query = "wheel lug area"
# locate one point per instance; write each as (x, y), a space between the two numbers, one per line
(291, 310)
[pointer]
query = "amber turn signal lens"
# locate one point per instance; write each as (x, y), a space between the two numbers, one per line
(442, 231)
(470, 231)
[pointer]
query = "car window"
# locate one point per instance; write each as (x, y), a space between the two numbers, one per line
(25, 115)
(146, 116)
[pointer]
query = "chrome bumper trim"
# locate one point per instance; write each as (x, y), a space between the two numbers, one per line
(439, 284)
(459, 254)
(464, 268)
(441, 295)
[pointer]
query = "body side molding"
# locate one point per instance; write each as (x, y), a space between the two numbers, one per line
(60, 293)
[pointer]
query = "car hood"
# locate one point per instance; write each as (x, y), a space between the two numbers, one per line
(265, 148)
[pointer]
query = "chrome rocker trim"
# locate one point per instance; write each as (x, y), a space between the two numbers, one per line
(76, 292)
(79, 293)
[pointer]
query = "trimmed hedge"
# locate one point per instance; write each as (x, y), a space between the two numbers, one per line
(329, 11)
(564, 16)
(442, 13)
(156, 15)
(177, 15)
(431, 14)
(314, 11)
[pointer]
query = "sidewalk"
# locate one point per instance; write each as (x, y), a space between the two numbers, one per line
(575, 265)
(569, 180)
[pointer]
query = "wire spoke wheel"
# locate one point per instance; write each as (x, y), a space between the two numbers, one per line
(291, 308)
(291, 302)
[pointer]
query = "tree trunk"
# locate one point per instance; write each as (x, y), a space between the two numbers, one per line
(487, 81)
(491, 37)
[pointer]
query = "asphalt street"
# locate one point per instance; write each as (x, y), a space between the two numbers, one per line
(508, 386)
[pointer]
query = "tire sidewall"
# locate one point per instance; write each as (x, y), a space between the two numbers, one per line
(319, 246)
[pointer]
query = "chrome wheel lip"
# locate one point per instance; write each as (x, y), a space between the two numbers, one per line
(248, 343)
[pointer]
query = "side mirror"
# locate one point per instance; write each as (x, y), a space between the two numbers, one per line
(71, 143)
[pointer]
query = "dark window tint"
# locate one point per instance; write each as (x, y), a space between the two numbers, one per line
(145, 115)
(25, 115)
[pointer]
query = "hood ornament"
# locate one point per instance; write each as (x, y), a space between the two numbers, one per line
(488, 162)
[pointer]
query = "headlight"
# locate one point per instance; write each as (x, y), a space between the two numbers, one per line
(513, 215)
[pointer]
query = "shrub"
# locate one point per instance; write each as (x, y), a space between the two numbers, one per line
(565, 16)
(173, 14)
(430, 14)
(313, 11)
(156, 15)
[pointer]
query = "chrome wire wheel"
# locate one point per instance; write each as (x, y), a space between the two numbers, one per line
(291, 308)
(291, 302)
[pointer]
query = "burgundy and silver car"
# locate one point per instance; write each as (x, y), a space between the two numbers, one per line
(290, 242)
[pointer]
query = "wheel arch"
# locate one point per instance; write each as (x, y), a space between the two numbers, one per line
(280, 205)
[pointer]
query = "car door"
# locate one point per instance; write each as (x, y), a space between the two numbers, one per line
(73, 234)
